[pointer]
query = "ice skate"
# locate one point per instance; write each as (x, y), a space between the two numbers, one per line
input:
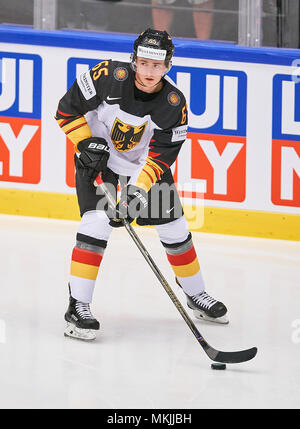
(81, 324)
(207, 308)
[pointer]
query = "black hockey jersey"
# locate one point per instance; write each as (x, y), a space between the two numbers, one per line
(144, 136)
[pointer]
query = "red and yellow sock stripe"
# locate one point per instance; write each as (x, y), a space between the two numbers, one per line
(184, 264)
(85, 263)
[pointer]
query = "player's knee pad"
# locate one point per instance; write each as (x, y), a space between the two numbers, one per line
(94, 231)
(174, 233)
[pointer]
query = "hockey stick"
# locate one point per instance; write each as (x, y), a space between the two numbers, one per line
(213, 354)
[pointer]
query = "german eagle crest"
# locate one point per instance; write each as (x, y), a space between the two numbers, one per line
(124, 136)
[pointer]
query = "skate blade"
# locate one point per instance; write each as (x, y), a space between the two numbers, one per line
(223, 320)
(80, 334)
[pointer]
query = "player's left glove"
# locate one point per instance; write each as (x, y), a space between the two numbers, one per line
(133, 199)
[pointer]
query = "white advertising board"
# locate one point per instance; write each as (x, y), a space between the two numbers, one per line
(243, 146)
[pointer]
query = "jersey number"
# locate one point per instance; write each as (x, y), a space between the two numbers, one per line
(183, 115)
(100, 69)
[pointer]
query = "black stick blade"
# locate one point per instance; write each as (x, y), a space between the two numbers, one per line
(231, 357)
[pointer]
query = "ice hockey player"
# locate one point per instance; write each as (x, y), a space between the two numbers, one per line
(128, 122)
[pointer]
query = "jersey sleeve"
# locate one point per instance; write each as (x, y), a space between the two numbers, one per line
(163, 150)
(86, 93)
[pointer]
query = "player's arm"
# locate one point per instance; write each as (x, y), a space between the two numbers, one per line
(163, 151)
(85, 95)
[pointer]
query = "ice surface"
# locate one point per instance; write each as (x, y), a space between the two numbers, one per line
(145, 356)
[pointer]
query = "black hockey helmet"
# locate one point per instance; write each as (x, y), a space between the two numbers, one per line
(154, 40)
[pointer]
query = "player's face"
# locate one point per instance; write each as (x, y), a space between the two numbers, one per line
(149, 72)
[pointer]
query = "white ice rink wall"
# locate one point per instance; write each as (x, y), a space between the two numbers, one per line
(240, 164)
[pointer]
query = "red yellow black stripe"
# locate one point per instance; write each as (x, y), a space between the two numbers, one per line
(85, 263)
(184, 264)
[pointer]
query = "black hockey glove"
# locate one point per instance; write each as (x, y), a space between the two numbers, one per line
(133, 199)
(94, 154)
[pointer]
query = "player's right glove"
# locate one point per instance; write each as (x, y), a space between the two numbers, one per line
(94, 154)
(133, 199)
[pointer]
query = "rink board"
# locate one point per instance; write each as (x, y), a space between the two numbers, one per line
(240, 165)
(215, 220)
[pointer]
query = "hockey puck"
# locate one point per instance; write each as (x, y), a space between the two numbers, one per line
(217, 365)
